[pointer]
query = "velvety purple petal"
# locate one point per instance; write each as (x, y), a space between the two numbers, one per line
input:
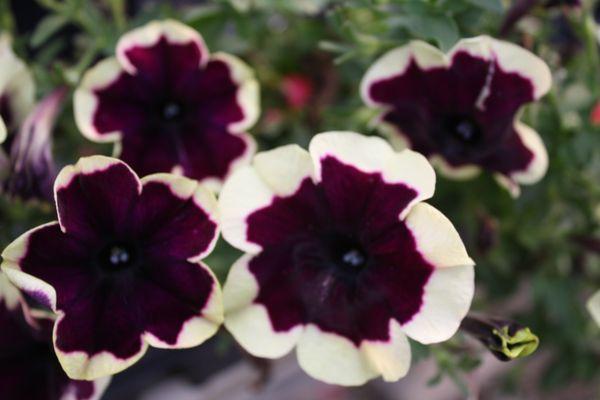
(172, 228)
(107, 319)
(170, 294)
(29, 368)
(288, 217)
(61, 260)
(123, 105)
(399, 271)
(160, 64)
(361, 202)
(150, 152)
(210, 152)
(97, 203)
(507, 93)
(213, 92)
(273, 269)
(512, 155)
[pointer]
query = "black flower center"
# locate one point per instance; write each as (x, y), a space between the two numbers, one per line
(463, 129)
(346, 253)
(117, 256)
(171, 111)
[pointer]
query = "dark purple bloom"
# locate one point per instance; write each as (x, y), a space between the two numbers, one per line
(29, 368)
(344, 260)
(121, 267)
(460, 110)
(169, 105)
(30, 169)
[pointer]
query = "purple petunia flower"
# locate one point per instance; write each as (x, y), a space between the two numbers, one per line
(121, 267)
(461, 109)
(29, 368)
(344, 260)
(169, 105)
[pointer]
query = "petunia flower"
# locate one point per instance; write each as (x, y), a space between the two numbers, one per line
(29, 368)
(17, 89)
(461, 109)
(121, 267)
(169, 105)
(344, 261)
(29, 169)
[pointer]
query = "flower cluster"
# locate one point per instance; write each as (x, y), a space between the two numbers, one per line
(344, 260)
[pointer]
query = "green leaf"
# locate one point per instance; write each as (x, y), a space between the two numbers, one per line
(430, 25)
(46, 28)
(494, 6)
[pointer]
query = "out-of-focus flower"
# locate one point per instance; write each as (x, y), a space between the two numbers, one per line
(121, 267)
(593, 306)
(460, 109)
(506, 340)
(169, 105)
(297, 90)
(29, 368)
(29, 169)
(595, 114)
(17, 89)
(344, 260)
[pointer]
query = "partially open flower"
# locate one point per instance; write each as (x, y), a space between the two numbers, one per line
(343, 261)
(29, 170)
(29, 368)
(505, 339)
(121, 267)
(17, 89)
(169, 105)
(460, 109)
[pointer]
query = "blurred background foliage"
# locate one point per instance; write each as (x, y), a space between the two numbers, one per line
(537, 256)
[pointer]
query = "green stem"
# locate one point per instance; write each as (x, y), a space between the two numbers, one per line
(7, 23)
(117, 8)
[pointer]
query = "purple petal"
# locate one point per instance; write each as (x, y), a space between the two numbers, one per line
(97, 202)
(32, 168)
(175, 228)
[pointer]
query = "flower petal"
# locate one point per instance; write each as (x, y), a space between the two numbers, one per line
(437, 239)
(395, 63)
(279, 172)
(145, 49)
(375, 155)
(32, 169)
(333, 359)
(177, 216)
(392, 358)
(247, 95)
(104, 120)
(17, 87)
(95, 195)
(39, 262)
(249, 322)
(182, 304)
(446, 301)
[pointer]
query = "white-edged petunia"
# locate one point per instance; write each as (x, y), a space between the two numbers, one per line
(169, 105)
(17, 89)
(122, 266)
(344, 261)
(29, 368)
(461, 109)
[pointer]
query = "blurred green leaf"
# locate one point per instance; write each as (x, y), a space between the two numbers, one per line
(46, 28)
